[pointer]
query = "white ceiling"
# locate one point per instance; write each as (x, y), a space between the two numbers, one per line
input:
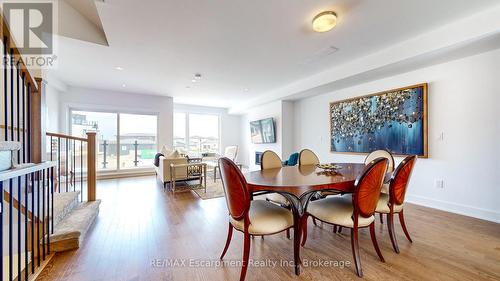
(261, 45)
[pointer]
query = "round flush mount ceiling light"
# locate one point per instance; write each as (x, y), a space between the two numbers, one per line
(324, 21)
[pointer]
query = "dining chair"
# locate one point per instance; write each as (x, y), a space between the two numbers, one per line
(393, 202)
(257, 217)
(308, 157)
(271, 160)
(353, 211)
(390, 168)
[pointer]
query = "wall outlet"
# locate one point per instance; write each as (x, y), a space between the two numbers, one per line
(439, 183)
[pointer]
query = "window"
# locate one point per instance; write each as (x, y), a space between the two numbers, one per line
(124, 141)
(200, 130)
(180, 131)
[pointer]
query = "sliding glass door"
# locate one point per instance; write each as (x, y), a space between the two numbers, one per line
(124, 140)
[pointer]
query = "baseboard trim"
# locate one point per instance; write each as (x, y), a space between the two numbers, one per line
(461, 209)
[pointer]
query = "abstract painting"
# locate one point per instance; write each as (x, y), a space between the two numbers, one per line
(394, 120)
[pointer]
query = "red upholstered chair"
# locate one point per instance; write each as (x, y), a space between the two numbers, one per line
(393, 202)
(257, 217)
(355, 210)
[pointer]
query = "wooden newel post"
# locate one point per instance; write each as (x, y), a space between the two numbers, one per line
(91, 167)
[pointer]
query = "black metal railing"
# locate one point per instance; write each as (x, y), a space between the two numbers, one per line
(26, 192)
(16, 101)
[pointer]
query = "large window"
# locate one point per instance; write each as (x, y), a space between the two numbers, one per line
(196, 133)
(124, 141)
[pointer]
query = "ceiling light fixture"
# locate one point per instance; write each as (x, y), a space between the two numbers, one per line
(123, 85)
(119, 68)
(324, 21)
(197, 76)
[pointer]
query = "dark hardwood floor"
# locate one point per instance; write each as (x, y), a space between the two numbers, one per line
(141, 231)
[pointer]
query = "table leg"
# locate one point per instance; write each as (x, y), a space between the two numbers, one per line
(298, 206)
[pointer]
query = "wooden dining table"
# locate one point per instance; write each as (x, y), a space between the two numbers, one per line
(298, 184)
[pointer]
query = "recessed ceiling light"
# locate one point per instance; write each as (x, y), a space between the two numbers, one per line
(194, 80)
(197, 76)
(123, 85)
(119, 68)
(324, 21)
(246, 89)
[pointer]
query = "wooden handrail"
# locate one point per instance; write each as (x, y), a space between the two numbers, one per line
(62, 136)
(91, 160)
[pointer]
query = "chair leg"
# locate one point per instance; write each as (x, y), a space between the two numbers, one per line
(314, 221)
(392, 234)
(228, 240)
(215, 174)
(374, 241)
(381, 218)
(304, 229)
(288, 233)
(355, 251)
(335, 229)
(340, 229)
(403, 225)
(246, 254)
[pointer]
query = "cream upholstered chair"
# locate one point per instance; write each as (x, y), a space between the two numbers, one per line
(393, 202)
(230, 152)
(307, 157)
(257, 217)
(353, 211)
(271, 160)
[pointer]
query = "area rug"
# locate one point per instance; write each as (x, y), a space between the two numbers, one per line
(214, 190)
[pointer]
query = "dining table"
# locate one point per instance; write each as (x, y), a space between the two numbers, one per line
(298, 184)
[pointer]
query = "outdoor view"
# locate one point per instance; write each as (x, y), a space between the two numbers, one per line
(201, 131)
(136, 145)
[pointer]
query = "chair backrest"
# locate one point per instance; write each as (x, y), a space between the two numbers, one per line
(400, 179)
(307, 157)
(368, 186)
(381, 153)
(270, 160)
(235, 188)
(231, 152)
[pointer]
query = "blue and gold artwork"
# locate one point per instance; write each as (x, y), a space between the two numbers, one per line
(394, 120)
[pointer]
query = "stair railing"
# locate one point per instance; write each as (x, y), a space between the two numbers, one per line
(75, 159)
(27, 211)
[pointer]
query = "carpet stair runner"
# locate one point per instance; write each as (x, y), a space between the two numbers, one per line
(72, 220)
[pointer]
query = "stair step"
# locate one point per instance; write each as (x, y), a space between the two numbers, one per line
(63, 204)
(14, 265)
(70, 232)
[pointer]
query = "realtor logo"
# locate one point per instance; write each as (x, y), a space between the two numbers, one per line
(31, 25)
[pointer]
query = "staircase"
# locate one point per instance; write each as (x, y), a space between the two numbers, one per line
(72, 220)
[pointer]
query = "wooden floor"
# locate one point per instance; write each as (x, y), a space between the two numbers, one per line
(143, 233)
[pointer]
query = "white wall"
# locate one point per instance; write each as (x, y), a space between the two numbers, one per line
(230, 129)
(52, 108)
(282, 112)
(102, 100)
(464, 105)
(271, 110)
